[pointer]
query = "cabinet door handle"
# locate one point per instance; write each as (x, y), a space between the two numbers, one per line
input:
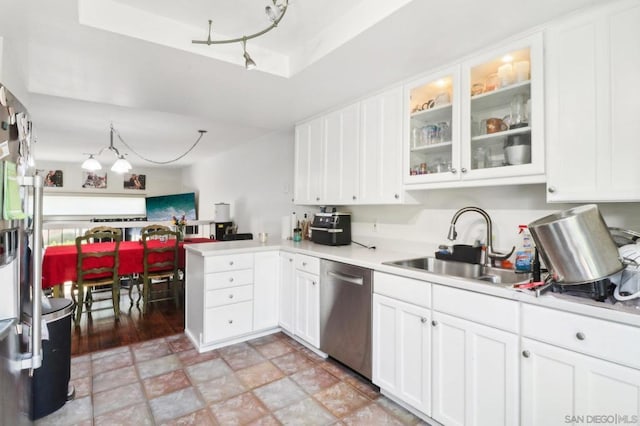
(231, 263)
(551, 189)
(454, 171)
(463, 170)
(231, 279)
(423, 320)
(290, 259)
(231, 296)
(313, 283)
(396, 196)
(434, 323)
(580, 336)
(317, 198)
(526, 354)
(354, 197)
(230, 321)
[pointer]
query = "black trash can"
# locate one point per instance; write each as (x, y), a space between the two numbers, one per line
(50, 382)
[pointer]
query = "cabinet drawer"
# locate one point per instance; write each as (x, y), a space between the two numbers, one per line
(228, 262)
(488, 310)
(600, 338)
(226, 296)
(408, 290)
(308, 264)
(228, 321)
(228, 279)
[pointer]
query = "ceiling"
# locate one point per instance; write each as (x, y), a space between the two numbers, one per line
(131, 62)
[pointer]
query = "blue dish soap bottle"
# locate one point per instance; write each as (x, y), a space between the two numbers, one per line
(524, 253)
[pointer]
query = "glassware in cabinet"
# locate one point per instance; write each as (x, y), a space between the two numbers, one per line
(432, 127)
(500, 111)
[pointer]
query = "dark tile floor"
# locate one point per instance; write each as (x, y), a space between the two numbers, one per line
(267, 381)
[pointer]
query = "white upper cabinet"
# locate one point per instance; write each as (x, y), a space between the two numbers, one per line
(309, 162)
(593, 100)
(502, 113)
(433, 128)
(341, 136)
(478, 123)
(381, 148)
(352, 155)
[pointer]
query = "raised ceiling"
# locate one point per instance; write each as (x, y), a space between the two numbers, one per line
(131, 62)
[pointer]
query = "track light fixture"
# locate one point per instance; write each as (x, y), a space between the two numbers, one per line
(274, 13)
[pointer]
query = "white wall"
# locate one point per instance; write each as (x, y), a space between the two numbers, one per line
(422, 227)
(159, 181)
(256, 179)
(13, 50)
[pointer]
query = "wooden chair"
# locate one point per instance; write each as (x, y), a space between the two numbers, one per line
(160, 267)
(153, 228)
(96, 269)
(111, 233)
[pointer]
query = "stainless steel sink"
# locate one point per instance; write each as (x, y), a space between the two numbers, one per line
(463, 270)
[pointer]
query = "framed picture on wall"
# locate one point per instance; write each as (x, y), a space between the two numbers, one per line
(94, 180)
(133, 181)
(53, 179)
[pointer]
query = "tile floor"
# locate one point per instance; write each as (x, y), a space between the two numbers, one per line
(267, 381)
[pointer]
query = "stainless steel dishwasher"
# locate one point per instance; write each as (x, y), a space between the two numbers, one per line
(345, 314)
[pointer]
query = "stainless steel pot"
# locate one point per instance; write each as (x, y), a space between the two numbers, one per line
(576, 245)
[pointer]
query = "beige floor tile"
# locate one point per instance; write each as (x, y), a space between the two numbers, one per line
(280, 393)
(259, 374)
(292, 362)
(150, 350)
(199, 418)
(274, 349)
(138, 414)
(307, 412)
(239, 410)
(165, 383)
(221, 388)
(314, 379)
(157, 366)
(192, 356)
(113, 399)
(111, 362)
(371, 415)
(341, 399)
(72, 413)
(114, 378)
(175, 404)
(207, 370)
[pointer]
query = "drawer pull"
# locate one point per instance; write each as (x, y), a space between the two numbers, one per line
(231, 263)
(230, 321)
(231, 279)
(290, 259)
(313, 283)
(434, 323)
(526, 354)
(580, 336)
(231, 296)
(304, 263)
(423, 320)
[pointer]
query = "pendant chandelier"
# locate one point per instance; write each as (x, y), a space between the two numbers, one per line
(274, 13)
(122, 165)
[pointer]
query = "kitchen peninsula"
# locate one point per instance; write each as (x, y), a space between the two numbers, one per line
(424, 323)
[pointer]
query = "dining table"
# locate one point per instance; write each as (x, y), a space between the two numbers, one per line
(60, 262)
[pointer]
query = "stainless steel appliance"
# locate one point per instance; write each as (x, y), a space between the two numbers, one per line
(331, 228)
(345, 314)
(576, 245)
(20, 261)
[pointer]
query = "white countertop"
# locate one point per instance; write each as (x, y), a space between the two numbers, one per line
(373, 258)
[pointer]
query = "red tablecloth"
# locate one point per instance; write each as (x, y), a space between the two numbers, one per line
(59, 262)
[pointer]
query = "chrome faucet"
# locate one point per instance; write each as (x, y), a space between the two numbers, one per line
(489, 254)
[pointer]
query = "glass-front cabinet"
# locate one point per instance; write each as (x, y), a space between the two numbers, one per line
(478, 121)
(433, 133)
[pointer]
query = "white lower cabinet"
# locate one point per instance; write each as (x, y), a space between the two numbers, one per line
(560, 386)
(266, 275)
(401, 351)
(287, 292)
(307, 315)
(475, 373)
